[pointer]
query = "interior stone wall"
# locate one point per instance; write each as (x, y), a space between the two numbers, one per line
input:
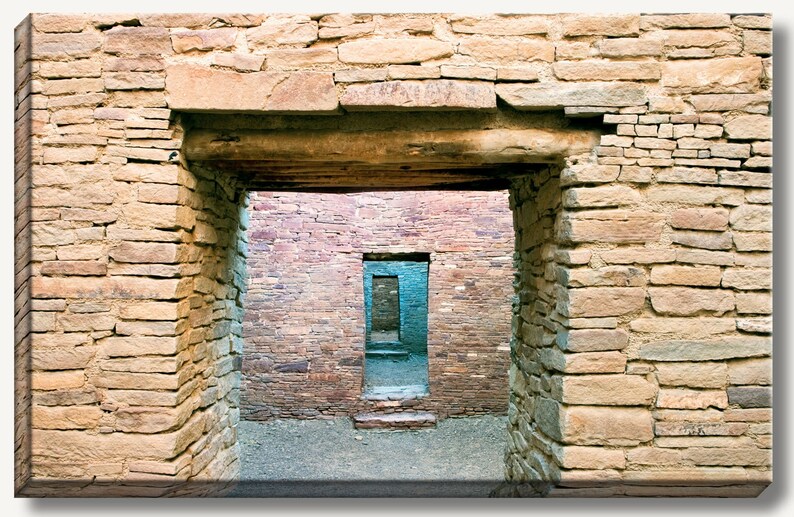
(659, 254)
(305, 311)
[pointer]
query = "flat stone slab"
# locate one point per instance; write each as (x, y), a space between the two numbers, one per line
(197, 88)
(559, 95)
(406, 419)
(439, 94)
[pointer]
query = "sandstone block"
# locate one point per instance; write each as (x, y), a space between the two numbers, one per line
(619, 226)
(59, 380)
(150, 215)
(587, 362)
(600, 197)
(693, 375)
(412, 95)
(393, 51)
(638, 256)
(363, 75)
(469, 72)
(601, 301)
(147, 252)
(213, 39)
(137, 40)
(750, 397)
(755, 325)
(690, 327)
(66, 358)
(74, 417)
(594, 70)
(502, 50)
(604, 390)
(747, 279)
(283, 30)
(753, 303)
(691, 399)
(751, 102)
(684, 21)
(744, 457)
(73, 267)
(578, 457)
(592, 340)
(706, 350)
(516, 74)
(752, 218)
(686, 275)
(715, 219)
(753, 241)
(688, 301)
(134, 81)
(602, 25)
(652, 456)
(552, 95)
(193, 88)
(592, 425)
(694, 195)
(757, 42)
(75, 68)
(630, 47)
(296, 58)
(749, 127)
(728, 75)
(609, 276)
(500, 25)
(80, 154)
(59, 23)
(704, 240)
(589, 173)
(239, 61)
(120, 288)
(730, 150)
(750, 371)
(61, 47)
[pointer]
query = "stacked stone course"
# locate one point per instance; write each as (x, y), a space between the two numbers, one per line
(642, 337)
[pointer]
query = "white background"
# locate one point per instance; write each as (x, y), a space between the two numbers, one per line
(774, 501)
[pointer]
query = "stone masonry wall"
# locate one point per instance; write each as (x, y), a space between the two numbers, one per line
(304, 323)
(642, 336)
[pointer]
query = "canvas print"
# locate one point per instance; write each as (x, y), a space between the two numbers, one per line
(393, 255)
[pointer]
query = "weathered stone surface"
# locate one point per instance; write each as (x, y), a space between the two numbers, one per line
(630, 47)
(500, 25)
(750, 102)
(757, 42)
(691, 399)
(121, 288)
(687, 301)
(750, 397)
(638, 256)
(137, 41)
(213, 39)
(693, 375)
(706, 350)
(501, 50)
(753, 303)
(753, 241)
(749, 127)
(56, 380)
(601, 197)
(66, 358)
(194, 88)
(652, 456)
(146, 252)
(750, 371)
(587, 362)
(752, 218)
(701, 43)
(755, 325)
(360, 75)
(603, 390)
(412, 95)
(728, 75)
(683, 21)
(619, 226)
(283, 30)
(601, 301)
(695, 195)
(578, 457)
(297, 58)
(393, 51)
(704, 240)
(715, 219)
(685, 275)
(692, 327)
(73, 417)
(585, 425)
(547, 95)
(747, 279)
(593, 70)
(608, 276)
(63, 46)
(588, 173)
(239, 61)
(602, 25)
(468, 72)
(748, 457)
(592, 340)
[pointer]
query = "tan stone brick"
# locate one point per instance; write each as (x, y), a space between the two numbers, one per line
(503, 50)
(587, 362)
(80, 154)
(146, 252)
(572, 50)
(700, 219)
(690, 327)
(144, 364)
(292, 59)
(594, 70)
(94, 287)
(500, 25)
(62, 47)
(688, 301)
(752, 218)
(748, 415)
(750, 371)
(706, 350)
(137, 40)
(747, 279)
(59, 23)
(63, 379)
(86, 322)
(755, 325)
(62, 358)
(717, 43)
(757, 42)
(239, 61)
(68, 69)
(283, 30)
(604, 390)
(694, 195)
(158, 216)
(744, 457)
(81, 252)
(753, 241)
(749, 127)
(684, 442)
(693, 375)
(592, 425)
(430, 94)
(600, 197)
(134, 81)
(577, 457)
(546, 95)
(685, 275)
(74, 417)
(728, 75)
(602, 25)
(213, 39)
(671, 21)
(730, 150)
(754, 303)
(630, 47)
(612, 276)
(570, 257)
(150, 328)
(592, 340)
(393, 51)
(63, 86)
(753, 21)
(146, 345)
(413, 72)
(601, 301)
(699, 429)
(638, 256)
(469, 72)
(652, 456)
(588, 173)
(141, 419)
(73, 267)
(516, 73)
(618, 226)
(691, 399)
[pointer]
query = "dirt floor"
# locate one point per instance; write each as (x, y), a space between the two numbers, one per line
(462, 457)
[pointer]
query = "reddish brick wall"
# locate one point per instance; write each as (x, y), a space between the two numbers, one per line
(304, 319)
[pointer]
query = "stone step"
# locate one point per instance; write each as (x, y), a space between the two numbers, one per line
(402, 420)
